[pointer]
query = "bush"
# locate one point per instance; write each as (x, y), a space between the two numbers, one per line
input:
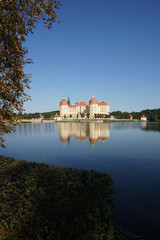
(38, 201)
(121, 234)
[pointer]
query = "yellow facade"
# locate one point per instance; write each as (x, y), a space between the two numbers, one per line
(94, 109)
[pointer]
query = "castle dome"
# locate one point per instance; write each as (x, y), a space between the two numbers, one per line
(93, 101)
(83, 103)
(103, 103)
(63, 102)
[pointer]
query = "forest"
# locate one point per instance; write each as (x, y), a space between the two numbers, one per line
(153, 115)
(46, 115)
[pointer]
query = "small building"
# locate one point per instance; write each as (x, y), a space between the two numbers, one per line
(130, 117)
(143, 118)
(57, 117)
(41, 116)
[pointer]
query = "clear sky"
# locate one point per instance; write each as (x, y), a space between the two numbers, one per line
(109, 48)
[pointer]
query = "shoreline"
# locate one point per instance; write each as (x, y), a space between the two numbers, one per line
(38, 121)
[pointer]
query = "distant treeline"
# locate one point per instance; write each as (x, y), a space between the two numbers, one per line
(153, 115)
(37, 115)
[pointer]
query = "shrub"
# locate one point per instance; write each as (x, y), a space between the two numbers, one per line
(39, 201)
(121, 234)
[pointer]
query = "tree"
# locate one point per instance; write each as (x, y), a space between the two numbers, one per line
(82, 115)
(69, 102)
(18, 18)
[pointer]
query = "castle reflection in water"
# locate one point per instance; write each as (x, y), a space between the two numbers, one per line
(93, 131)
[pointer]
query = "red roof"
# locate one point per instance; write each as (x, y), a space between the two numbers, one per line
(103, 103)
(63, 102)
(93, 101)
(77, 104)
(71, 106)
(41, 116)
(83, 103)
(143, 116)
(56, 115)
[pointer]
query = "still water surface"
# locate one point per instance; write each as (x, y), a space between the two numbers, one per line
(128, 152)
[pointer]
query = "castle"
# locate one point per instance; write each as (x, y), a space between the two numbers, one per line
(94, 109)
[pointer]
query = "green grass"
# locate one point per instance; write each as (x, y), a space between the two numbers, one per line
(122, 120)
(26, 121)
(58, 203)
(44, 202)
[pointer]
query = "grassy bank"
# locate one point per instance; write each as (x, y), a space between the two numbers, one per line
(26, 122)
(80, 121)
(83, 121)
(122, 120)
(39, 201)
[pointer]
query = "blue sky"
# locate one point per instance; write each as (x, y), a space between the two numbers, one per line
(109, 48)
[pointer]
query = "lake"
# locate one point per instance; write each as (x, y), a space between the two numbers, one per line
(129, 152)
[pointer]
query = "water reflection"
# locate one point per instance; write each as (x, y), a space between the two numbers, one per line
(35, 129)
(131, 157)
(125, 125)
(143, 125)
(151, 126)
(93, 131)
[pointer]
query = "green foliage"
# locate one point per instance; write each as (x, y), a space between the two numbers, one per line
(46, 115)
(121, 234)
(50, 114)
(120, 115)
(152, 127)
(153, 115)
(26, 122)
(121, 120)
(97, 115)
(38, 201)
(17, 20)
